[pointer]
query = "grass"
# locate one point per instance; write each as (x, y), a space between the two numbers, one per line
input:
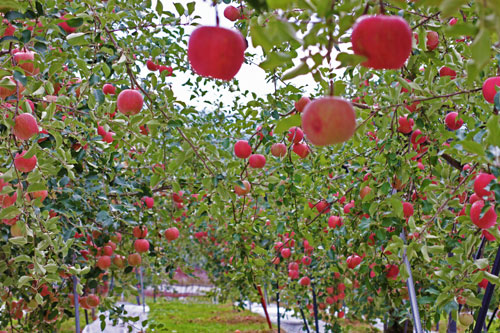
(178, 316)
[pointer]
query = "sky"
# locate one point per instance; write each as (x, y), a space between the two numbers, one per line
(251, 77)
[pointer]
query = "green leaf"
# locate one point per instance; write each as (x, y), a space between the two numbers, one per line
(36, 187)
(473, 147)
(449, 7)
(298, 70)
(481, 48)
(180, 9)
(275, 59)
(9, 212)
(21, 240)
(284, 124)
(77, 38)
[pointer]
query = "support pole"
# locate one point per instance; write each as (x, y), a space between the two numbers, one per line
(411, 291)
(278, 310)
(77, 306)
(480, 321)
(315, 308)
(263, 302)
(142, 291)
(304, 319)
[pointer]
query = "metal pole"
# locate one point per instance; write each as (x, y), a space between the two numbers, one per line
(480, 321)
(142, 291)
(411, 291)
(304, 319)
(491, 319)
(278, 309)
(77, 306)
(315, 308)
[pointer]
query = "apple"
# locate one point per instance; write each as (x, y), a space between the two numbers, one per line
(447, 71)
(407, 209)
(129, 102)
(243, 191)
(172, 234)
(93, 300)
(306, 260)
(24, 164)
(364, 192)
(432, 40)
(108, 89)
(242, 149)
(231, 13)
(141, 245)
(305, 281)
(65, 26)
(489, 218)
(405, 124)
(134, 259)
(9, 30)
(38, 194)
(293, 266)
(385, 41)
(490, 88)
(119, 261)
(301, 103)
(6, 92)
(295, 134)
(25, 126)
(257, 161)
(104, 262)
(466, 319)
(301, 149)
(452, 122)
(169, 69)
(108, 137)
(177, 197)
(216, 52)
(334, 221)
(392, 271)
(15, 230)
(26, 60)
(353, 261)
(116, 237)
(453, 21)
(286, 253)
(328, 120)
(278, 150)
(417, 137)
(151, 65)
(108, 250)
(149, 202)
(140, 232)
(481, 181)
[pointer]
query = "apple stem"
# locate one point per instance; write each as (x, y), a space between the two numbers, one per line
(217, 20)
(382, 7)
(366, 8)
(331, 88)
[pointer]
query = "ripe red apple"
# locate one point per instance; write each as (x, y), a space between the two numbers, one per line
(140, 232)
(119, 261)
(407, 209)
(405, 125)
(257, 161)
(108, 137)
(301, 103)
(447, 71)
(216, 52)
(432, 40)
(24, 164)
(65, 26)
(243, 191)
(489, 218)
(453, 21)
(392, 271)
(38, 194)
(242, 149)
(169, 69)
(129, 102)
(365, 191)
(151, 65)
(93, 300)
(334, 221)
(141, 245)
(306, 260)
(328, 120)
(150, 202)
(26, 60)
(305, 281)
(172, 234)
(108, 89)
(452, 122)
(116, 237)
(134, 259)
(417, 137)
(295, 134)
(301, 149)
(286, 253)
(25, 126)
(231, 13)
(353, 261)
(9, 30)
(490, 88)
(385, 41)
(481, 181)
(278, 150)
(108, 250)
(104, 262)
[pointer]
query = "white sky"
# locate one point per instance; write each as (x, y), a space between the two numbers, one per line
(250, 77)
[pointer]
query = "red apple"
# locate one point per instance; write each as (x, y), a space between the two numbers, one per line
(301, 103)
(407, 209)
(151, 66)
(93, 300)
(257, 161)
(38, 194)
(169, 69)
(489, 218)
(490, 88)
(26, 60)
(231, 13)
(301, 149)
(129, 102)
(286, 253)
(149, 202)
(25, 126)
(65, 26)
(365, 191)
(119, 261)
(481, 181)
(432, 40)
(108, 89)
(334, 221)
(452, 122)
(141, 245)
(104, 262)
(243, 191)
(447, 71)
(278, 150)
(306, 260)
(405, 125)
(296, 134)
(417, 137)
(392, 271)
(242, 149)
(305, 281)
(172, 234)
(353, 261)
(24, 164)
(6, 92)
(328, 120)
(385, 41)
(140, 232)
(216, 52)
